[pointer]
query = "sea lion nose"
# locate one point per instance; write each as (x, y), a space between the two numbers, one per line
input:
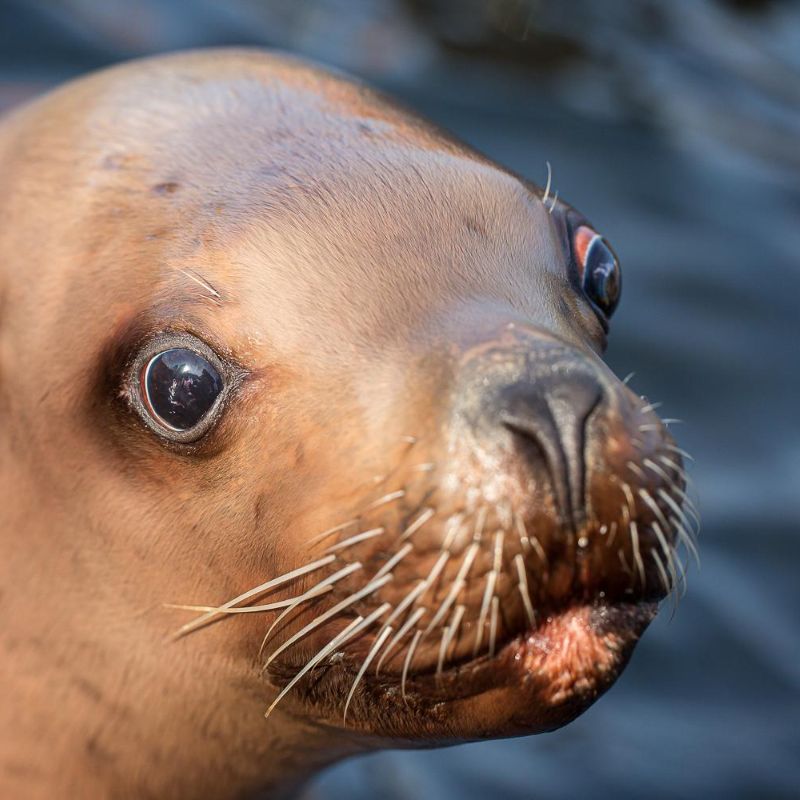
(546, 415)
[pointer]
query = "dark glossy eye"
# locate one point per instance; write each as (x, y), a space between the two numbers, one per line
(601, 276)
(179, 388)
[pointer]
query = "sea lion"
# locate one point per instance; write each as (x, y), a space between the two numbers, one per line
(280, 352)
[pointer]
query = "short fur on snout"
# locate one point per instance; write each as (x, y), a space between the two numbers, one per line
(353, 534)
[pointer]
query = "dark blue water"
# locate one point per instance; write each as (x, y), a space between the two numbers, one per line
(697, 185)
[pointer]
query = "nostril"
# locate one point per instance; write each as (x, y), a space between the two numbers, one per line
(550, 413)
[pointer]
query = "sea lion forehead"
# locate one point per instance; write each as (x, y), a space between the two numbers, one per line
(289, 172)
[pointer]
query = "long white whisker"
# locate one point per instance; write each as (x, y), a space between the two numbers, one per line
(364, 666)
(458, 585)
(387, 498)
(371, 587)
(546, 194)
(667, 550)
(393, 561)
(637, 554)
(329, 648)
(447, 636)
(348, 633)
(491, 578)
(398, 637)
(407, 663)
(661, 571)
(241, 609)
(359, 537)
(315, 591)
(335, 529)
(680, 451)
(253, 593)
(493, 625)
(524, 590)
(417, 524)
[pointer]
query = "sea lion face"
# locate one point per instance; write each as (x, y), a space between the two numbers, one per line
(306, 349)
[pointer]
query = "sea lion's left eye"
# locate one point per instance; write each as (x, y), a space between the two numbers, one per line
(600, 274)
(180, 386)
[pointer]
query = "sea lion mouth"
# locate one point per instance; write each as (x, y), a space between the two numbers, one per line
(508, 599)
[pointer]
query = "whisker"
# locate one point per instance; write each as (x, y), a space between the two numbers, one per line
(493, 625)
(691, 508)
(530, 540)
(612, 534)
(458, 585)
(661, 571)
(417, 524)
(546, 194)
(398, 637)
(649, 407)
(371, 587)
(480, 522)
(656, 470)
(241, 609)
(435, 571)
(407, 663)
(636, 470)
(668, 462)
(491, 579)
(394, 561)
(684, 536)
(335, 529)
(680, 451)
(348, 633)
(215, 295)
(252, 593)
(315, 591)
(386, 499)
(524, 590)
(328, 648)
(364, 667)
(637, 554)
(447, 636)
(679, 513)
(667, 550)
(654, 507)
(406, 602)
(628, 378)
(359, 537)
(555, 200)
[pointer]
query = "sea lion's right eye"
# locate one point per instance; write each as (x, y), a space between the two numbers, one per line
(600, 274)
(180, 387)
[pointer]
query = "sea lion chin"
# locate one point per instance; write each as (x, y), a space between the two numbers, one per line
(282, 356)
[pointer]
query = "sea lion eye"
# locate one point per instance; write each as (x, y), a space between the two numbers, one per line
(601, 277)
(179, 387)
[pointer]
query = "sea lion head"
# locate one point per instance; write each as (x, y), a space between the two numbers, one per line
(273, 346)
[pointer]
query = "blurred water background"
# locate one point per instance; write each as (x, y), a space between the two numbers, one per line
(675, 126)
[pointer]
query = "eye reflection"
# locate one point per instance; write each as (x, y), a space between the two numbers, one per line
(180, 387)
